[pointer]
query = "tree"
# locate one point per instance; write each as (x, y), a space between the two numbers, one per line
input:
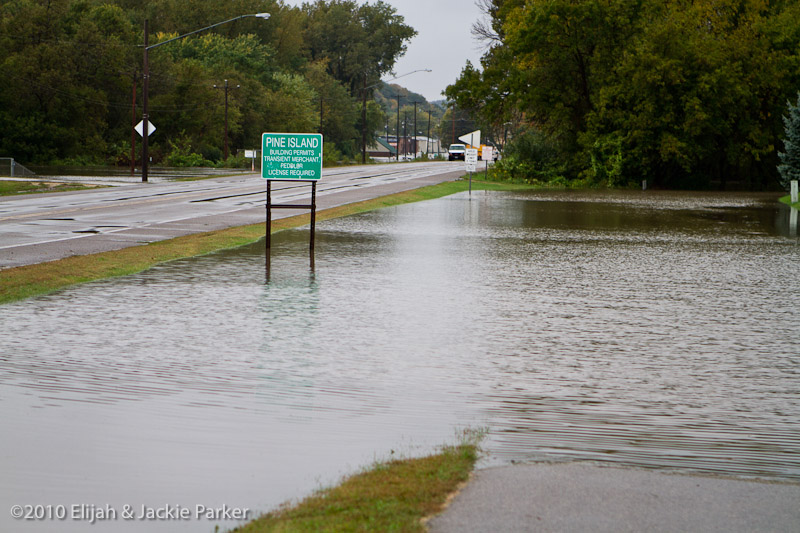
(361, 43)
(339, 111)
(65, 64)
(292, 106)
(789, 168)
(72, 67)
(690, 104)
(684, 94)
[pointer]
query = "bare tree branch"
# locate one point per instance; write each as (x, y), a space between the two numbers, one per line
(482, 29)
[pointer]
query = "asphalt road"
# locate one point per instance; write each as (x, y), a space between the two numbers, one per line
(43, 227)
(584, 497)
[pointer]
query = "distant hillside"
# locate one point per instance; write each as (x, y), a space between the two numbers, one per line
(386, 96)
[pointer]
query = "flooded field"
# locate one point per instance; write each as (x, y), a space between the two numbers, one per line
(655, 330)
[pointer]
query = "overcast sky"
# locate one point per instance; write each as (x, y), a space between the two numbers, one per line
(443, 42)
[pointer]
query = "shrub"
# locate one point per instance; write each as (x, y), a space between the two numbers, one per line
(180, 154)
(789, 169)
(531, 158)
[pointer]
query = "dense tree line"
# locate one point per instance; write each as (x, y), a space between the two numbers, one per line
(72, 69)
(679, 93)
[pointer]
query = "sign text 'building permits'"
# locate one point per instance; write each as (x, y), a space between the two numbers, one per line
(291, 156)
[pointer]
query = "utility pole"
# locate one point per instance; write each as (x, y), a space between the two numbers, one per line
(405, 135)
(145, 108)
(398, 127)
(364, 123)
(133, 127)
(415, 129)
(226, 88)
(454, 124)
(429, 133)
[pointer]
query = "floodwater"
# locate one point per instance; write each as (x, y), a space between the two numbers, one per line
(656, 330)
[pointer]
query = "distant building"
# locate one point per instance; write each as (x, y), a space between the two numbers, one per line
(426, 145)
(381, 149)
(409, 147)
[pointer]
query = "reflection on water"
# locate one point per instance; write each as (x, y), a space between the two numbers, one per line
(655, 330)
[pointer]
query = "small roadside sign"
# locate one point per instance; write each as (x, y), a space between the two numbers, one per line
(471, 159)
(488, 153)
(291, 156)
(139, 128)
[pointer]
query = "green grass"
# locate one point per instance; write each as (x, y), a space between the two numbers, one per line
(788, 201)
(11, 188)
(32, 280)
(398, 495)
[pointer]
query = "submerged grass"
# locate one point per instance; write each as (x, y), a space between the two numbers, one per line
(32, 280)
(398, 495)
(788, 201)
(12, 188)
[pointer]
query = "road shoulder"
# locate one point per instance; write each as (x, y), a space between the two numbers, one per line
(588, 497)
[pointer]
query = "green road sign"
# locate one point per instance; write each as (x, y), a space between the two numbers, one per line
(291, 156)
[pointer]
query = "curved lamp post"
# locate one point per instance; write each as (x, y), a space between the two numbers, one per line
(146, 80)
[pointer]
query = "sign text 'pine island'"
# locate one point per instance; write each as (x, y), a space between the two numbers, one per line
(291, 156)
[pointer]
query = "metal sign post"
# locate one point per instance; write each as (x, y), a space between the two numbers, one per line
(488, 155)
(471, 162)
(291, 157)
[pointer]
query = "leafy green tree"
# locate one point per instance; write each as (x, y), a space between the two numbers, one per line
(63, 61)
(454, 123)
(790, 158)
(286, 36)
(72, 67)
(360, 42)
(338, 109)
(684, 94)
(245, 55)
(694, 104)
(292, 105)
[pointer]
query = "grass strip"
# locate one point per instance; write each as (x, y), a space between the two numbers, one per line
(33, 280)
(395, 496)
(788, 201)
(12, 188)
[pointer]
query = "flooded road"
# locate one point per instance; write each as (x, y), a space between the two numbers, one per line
(652, 330)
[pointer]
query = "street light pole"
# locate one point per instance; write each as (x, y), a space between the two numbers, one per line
(146, 80)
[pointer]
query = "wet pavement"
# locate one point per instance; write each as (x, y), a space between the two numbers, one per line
(39, 228)
(652, 332)
(580, 497)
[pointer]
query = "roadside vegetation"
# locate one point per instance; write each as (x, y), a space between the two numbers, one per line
(32, 280)
(613, 92)
(788, 201)
(397, 495)
(77, 71)
(11, 188)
